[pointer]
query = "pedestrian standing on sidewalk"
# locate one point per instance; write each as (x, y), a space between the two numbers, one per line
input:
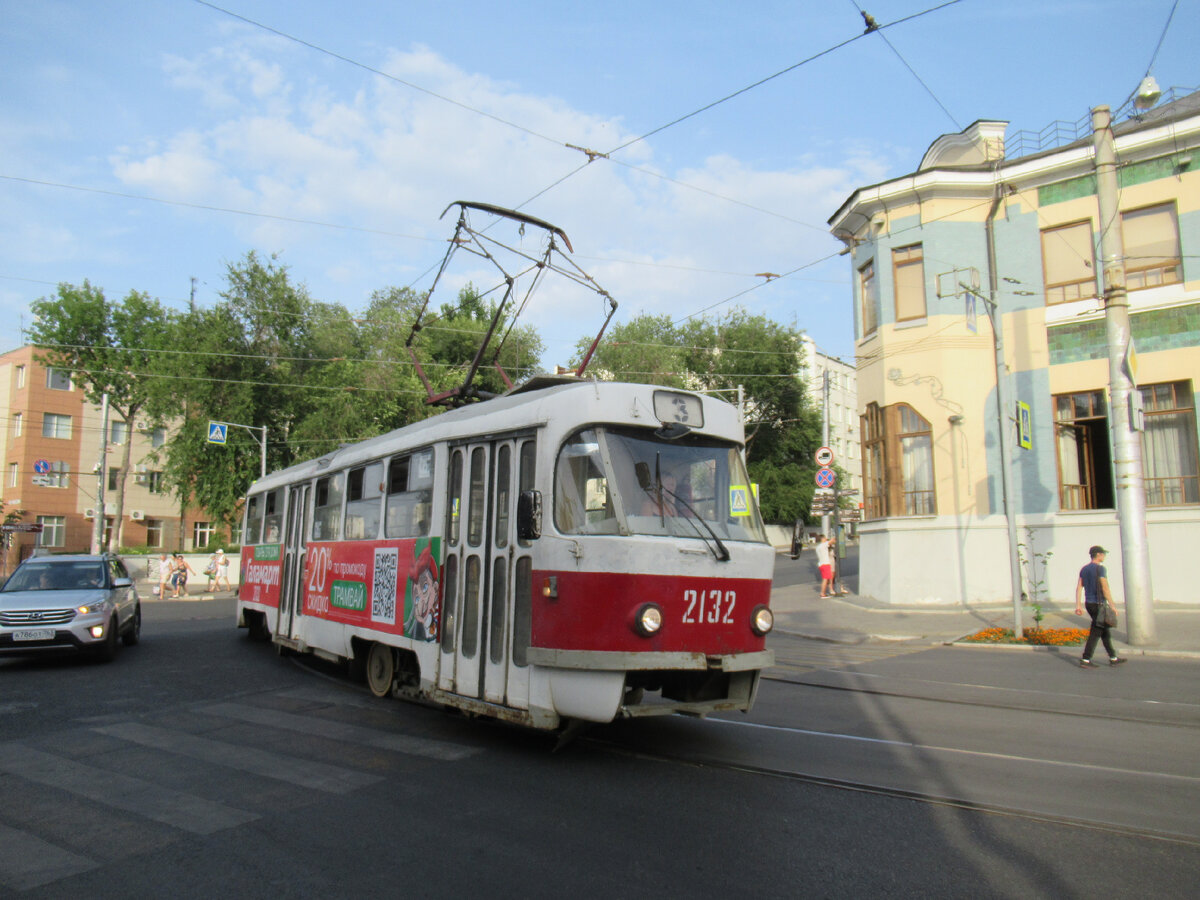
(180, 576)
(1092, 591)
(223, 571)
(824, 551)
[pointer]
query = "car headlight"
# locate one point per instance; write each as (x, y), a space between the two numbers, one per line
(648, 619)
(92, 608)
(762, 620)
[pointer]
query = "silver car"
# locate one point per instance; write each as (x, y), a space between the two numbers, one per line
(62, 602)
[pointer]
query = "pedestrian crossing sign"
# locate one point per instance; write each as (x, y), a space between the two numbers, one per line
(216, 432)
(739, 500)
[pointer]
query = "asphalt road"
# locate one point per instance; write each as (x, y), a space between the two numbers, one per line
(200, 764)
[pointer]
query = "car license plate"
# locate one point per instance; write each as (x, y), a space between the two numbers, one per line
(34, 634)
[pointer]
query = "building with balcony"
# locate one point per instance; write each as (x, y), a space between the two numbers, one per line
(929, 251)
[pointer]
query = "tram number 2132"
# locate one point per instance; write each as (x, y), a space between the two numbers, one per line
(719, 605)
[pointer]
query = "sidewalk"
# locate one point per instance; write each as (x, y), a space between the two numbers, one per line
(850, 619)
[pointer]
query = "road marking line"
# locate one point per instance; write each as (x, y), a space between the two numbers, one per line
(340, 731)
(27, 861)
(301, 772)
(933, 748)
(171, 807)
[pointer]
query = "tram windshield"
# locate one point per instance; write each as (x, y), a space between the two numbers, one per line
(626, 481)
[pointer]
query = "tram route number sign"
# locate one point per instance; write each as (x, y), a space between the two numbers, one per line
(825, 477)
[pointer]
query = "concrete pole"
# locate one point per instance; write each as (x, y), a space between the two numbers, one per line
(262, 460)
(826, 520)
(1004, 409)
(101, 519)
(1126, 444)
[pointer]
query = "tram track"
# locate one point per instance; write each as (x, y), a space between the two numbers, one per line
(865, 787)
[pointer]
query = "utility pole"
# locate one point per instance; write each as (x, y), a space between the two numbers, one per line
(826, 520)
(1126, 445)
(101, 520)
(1004, 409)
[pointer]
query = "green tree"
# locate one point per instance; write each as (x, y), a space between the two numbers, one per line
(113, 349)
(738, 350)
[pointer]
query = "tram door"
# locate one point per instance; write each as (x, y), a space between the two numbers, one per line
(292, 585)
(481, 552)
(466, 568)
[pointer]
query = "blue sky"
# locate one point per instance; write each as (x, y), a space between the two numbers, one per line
(212, 119)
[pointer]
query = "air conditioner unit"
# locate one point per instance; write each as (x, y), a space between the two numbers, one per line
(143, 425)
(137, 515)
(89, 513)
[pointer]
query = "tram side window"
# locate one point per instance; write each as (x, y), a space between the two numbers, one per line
(327, 508)
(525, 476)
(273, 517)
(582, 504)
(254, 513)
(364, 496)
(409, 495)
(454, 498)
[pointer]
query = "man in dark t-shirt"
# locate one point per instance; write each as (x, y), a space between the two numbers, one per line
(1092, 589)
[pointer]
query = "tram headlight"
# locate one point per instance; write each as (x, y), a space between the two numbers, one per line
(762, 620)
(648, 619)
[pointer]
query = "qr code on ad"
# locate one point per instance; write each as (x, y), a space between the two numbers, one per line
(383, 585)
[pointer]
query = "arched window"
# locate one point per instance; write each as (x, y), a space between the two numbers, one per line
(897, 462)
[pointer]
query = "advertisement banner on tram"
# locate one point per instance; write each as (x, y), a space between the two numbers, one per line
(262, 566)
(390, 586)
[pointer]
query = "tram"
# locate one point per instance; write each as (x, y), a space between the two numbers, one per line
(571, 551)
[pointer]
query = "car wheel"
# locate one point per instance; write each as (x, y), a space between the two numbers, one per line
(107, 651)
(381, 669)
(133, 633)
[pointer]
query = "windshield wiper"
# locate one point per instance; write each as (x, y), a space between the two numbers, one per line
(721, 552)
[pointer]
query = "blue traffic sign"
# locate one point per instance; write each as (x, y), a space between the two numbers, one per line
(42, 466)
(826, 477)
(216, 432)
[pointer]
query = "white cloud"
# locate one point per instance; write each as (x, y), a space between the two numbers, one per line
(378, 154)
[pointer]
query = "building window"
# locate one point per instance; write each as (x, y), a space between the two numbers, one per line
(202, 534)
(155, 483)
(1151, 240)
(59, 476)
(1069, 262)
(908, 277)
(113, 475)
(897, 447)
(868, 291)
(20, 377)
(120, 433)
(154, 532)
(14, 474)
(58, 379)
(56, 426)
(54, 531)
(1084, 459)
(1169, 458)
(18, 424)
(158, 437)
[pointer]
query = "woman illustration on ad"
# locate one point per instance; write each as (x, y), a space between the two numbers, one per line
(421, 622)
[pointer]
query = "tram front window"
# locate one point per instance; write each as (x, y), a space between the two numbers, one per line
(623, 481)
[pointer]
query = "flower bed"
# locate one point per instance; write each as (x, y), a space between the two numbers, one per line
(1046, 637)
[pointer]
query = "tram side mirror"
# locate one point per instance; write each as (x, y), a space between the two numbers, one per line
(529, 515)
(642, 470)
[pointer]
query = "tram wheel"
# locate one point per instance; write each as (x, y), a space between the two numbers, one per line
(381, 669)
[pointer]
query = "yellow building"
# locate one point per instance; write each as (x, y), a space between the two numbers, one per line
(929, 250)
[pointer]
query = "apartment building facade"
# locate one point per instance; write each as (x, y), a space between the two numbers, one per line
(931, 252)
(51, 451)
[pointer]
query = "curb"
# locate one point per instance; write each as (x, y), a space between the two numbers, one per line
(1125, 651)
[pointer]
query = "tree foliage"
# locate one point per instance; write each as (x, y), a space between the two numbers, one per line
(109, 349)
(754, 353)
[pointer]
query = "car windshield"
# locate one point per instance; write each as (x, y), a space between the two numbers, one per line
(61, 576)
(625, 481)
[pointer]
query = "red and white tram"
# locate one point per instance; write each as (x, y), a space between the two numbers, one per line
(571, 551)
